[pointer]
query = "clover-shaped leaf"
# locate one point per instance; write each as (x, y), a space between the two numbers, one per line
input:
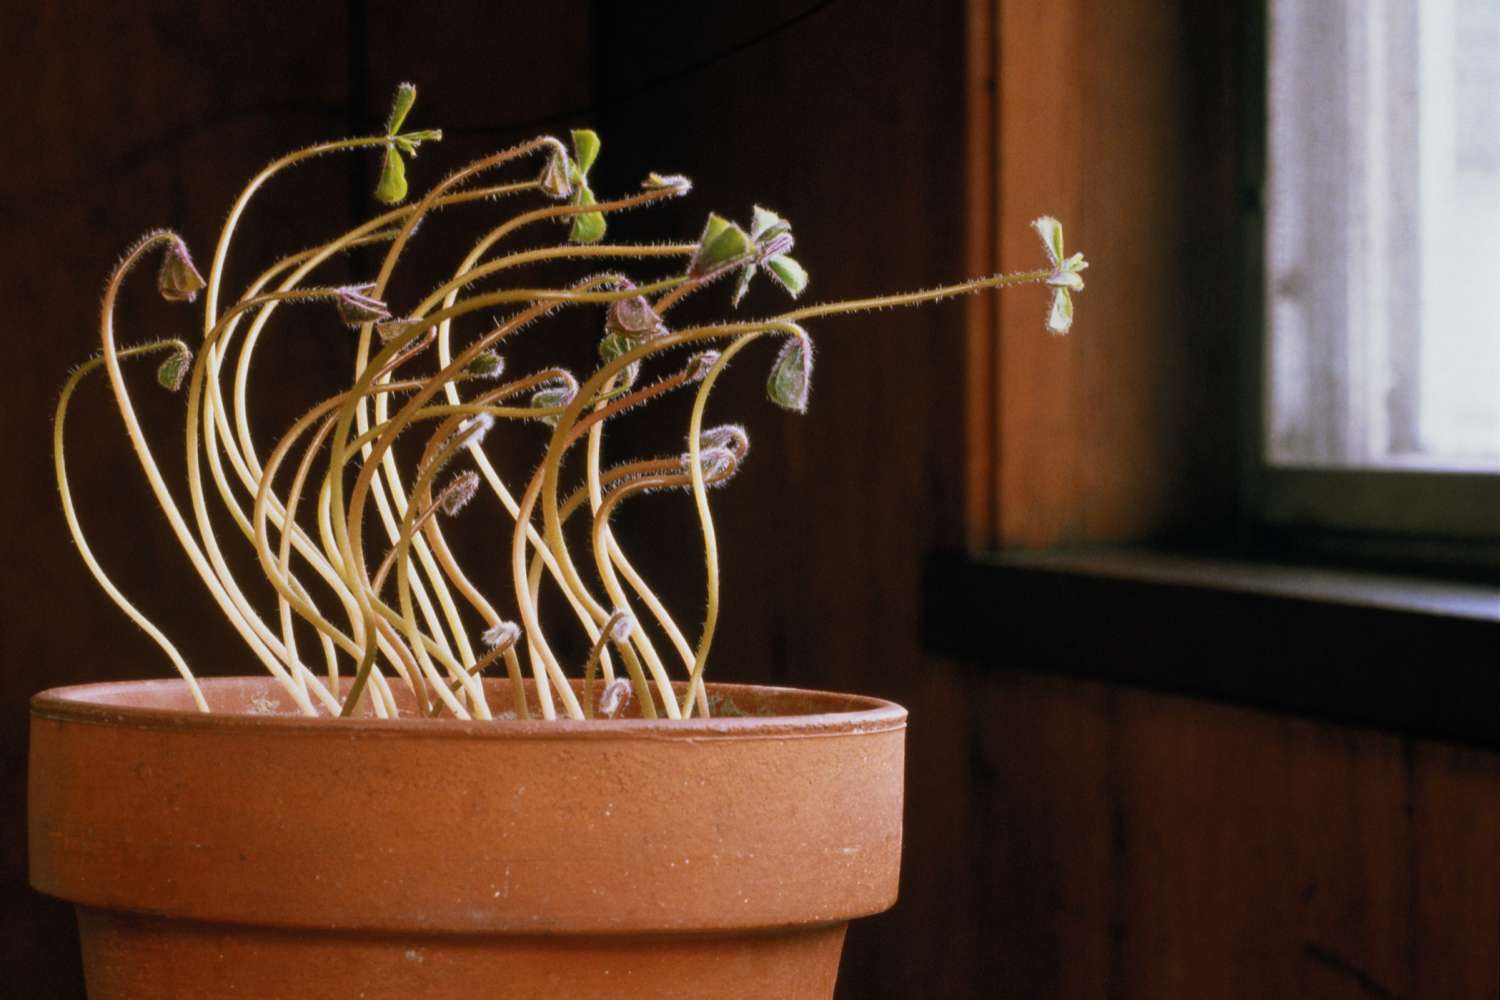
(588, 227)
(722, 243)
(391, 188)
(772, 237)
(1065, 277)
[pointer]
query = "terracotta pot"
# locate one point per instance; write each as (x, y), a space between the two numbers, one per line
(270, 856)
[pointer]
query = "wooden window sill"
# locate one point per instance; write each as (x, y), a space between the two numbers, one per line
(1412, 656)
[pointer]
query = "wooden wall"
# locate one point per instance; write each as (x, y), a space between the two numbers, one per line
(1063, 839)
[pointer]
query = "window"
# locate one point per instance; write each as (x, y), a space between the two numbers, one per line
(1381, 398)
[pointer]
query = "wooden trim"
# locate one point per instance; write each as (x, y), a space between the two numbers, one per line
(1406, 656)
(981, 257)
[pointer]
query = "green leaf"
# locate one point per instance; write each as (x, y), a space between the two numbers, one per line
(742, 285)
(485, 364)
(611, 347)
(171, 372)
(406, 96)
(589, 226)
(791, 374)
(1050, 230)
(791, 275)
(551, 399)
(392, 187)
(765, 224)
(721, 243)
(585, 148)
(1060, 316)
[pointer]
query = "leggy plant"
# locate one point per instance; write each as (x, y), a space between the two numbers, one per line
(350, 537)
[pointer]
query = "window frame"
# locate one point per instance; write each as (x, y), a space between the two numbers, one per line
(1419, 517)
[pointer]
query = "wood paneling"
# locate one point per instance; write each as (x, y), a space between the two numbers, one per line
(1118, 119)
(1064, 839)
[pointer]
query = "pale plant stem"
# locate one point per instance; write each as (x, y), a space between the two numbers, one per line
(618, 600)
(347, 526)
(399, 655)
(361, 415)
(159, 487)
(195, 398)
(76, 530)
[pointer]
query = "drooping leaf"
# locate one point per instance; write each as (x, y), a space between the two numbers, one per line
(178, 280)
(1060, 316)
(634, 317)
(791, 374)
(554, 181)
(788, 273)
(551, 398)
(356, 307)
(391, 190)
(588, 227)
(171, 372)
(485, 364)
(612, 346)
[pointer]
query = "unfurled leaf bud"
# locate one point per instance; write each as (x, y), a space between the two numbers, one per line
(485, 364)
(502, 635)
(788, 273)
(615, 696)
(555, 178)
(722, 243)
(391, 188)
(171, 372)
(459, 492)
(700, 364)
(406, 96)
(178, 280)
(791, 374)
(551, 398)
(612, 346)
(585, 149)
(635, 318)
(356, 307)
(657, 182)
(588, 227)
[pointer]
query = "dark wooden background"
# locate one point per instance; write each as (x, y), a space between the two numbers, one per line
(1063, 838)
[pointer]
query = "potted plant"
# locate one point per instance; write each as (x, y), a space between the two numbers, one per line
(424, 792)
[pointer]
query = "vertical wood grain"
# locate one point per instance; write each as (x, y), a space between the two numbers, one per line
(1117, 118)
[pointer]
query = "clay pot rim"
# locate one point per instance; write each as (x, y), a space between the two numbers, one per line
(100, 704)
